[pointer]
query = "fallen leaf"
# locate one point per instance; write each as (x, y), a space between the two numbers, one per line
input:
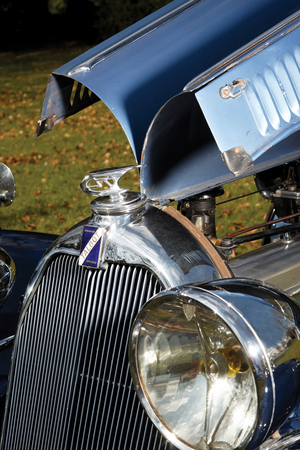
(53, 162)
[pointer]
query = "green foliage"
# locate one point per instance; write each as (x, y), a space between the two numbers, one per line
(242, 213)
(57, 6)
(111, 16)
(41, 23)
(48, 170)
(114, 16)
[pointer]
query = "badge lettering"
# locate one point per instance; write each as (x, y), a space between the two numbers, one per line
(91, 246)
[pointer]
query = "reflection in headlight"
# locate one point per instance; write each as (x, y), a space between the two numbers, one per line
(196, 376)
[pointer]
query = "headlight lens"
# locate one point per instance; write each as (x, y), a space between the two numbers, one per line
(196, 376)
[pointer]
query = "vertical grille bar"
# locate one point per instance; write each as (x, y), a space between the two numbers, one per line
(71, 384)
(76, 319)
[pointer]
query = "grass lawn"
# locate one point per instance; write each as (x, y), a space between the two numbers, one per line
(48, 170)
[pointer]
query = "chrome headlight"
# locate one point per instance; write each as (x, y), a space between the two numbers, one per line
(208, 363)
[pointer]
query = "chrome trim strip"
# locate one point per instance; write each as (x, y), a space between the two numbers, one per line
(245, 53)
(283, 443)
(7, 342)
(91, 63)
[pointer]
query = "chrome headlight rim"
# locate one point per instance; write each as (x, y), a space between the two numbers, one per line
(211, 296)
(162, 298)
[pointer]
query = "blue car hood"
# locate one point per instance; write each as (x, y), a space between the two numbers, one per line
(206, 91)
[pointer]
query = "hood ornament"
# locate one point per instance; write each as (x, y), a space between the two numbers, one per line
(93, 183)
(111, 198)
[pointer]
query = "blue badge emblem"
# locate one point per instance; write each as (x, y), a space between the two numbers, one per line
(91, 246)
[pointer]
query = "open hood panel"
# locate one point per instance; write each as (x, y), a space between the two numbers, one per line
(144, 74)
(239, 118)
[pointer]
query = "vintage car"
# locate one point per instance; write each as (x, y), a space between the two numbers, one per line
(137, 329)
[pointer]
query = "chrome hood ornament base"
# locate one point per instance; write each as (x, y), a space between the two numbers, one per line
(111, 198)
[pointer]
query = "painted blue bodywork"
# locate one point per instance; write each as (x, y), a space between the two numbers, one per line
(140, 69)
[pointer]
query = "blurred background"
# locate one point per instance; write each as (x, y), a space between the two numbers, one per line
(40, 23)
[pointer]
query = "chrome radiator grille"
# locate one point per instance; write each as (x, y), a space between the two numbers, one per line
(71, 386)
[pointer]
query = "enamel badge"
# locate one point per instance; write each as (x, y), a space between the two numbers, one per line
(91, 246)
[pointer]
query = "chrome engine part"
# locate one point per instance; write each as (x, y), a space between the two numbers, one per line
(266, 264)
(281, 185)
(200, 210)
